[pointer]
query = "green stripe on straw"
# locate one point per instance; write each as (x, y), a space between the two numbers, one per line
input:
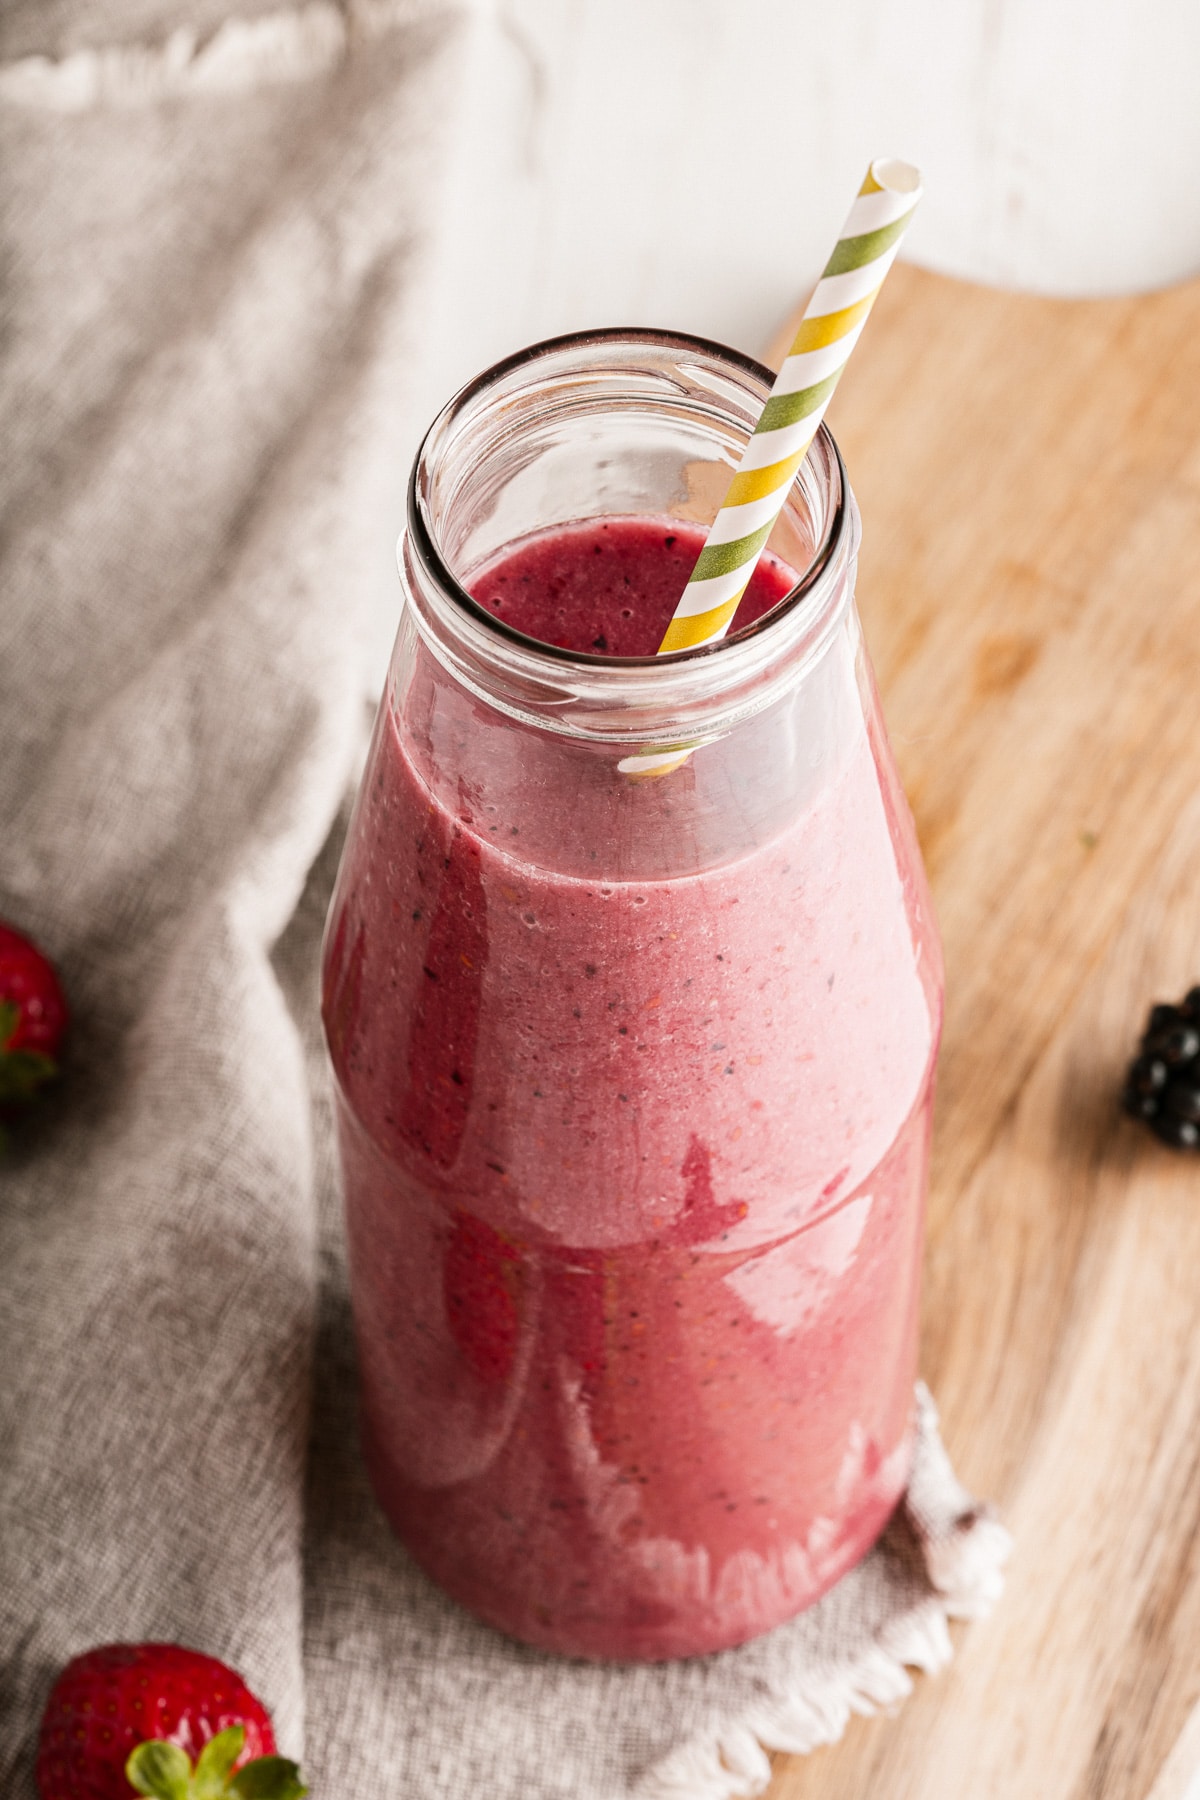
(722, 559)
(852, 253)
(789, 409)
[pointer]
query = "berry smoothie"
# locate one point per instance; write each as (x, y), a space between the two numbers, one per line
(634, 1164)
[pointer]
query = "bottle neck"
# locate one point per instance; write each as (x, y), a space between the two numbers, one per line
(599, 424)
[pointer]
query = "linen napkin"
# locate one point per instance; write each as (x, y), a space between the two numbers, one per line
(219, 235)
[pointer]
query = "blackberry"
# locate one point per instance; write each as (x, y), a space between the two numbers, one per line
(1163, 1083)
(1181, 1134)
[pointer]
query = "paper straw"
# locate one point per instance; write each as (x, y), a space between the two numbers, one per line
(829, 330)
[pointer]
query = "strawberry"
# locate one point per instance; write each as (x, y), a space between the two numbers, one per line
(161, 1720)
(33, 1019)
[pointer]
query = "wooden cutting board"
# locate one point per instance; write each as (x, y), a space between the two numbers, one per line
(1029, 477)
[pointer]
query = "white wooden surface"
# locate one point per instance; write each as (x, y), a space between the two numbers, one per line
(688, 162)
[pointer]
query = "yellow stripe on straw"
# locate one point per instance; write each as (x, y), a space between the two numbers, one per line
(858, 263)
(827, 328)
(700, 628)
(756, 484)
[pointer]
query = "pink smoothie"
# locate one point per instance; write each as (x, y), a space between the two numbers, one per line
(634, 1167)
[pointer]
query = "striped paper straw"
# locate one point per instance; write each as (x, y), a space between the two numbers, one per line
(829, 330)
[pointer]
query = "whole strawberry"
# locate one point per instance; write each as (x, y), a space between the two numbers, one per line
(158, 1719)
(33, 1020)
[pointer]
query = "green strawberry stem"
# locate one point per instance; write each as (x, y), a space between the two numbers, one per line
(164, 1772)
(22, 1072)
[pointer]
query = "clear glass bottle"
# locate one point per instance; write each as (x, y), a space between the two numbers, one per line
(634, 1076)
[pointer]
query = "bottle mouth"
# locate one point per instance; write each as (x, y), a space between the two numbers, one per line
(596, 385)
(526, 364)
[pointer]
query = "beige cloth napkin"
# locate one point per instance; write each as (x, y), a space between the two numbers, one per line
(217, 245)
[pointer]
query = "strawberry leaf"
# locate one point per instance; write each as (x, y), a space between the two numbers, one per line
(160, 1770)
(215, 1763)
(269, 1778)
(10, 1018)
(22, 1073)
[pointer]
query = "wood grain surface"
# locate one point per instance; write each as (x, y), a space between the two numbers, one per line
(1029, 477)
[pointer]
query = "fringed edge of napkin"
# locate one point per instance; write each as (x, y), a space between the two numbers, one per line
(965, 1548)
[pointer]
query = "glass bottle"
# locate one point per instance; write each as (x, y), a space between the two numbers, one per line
(633, 1076)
